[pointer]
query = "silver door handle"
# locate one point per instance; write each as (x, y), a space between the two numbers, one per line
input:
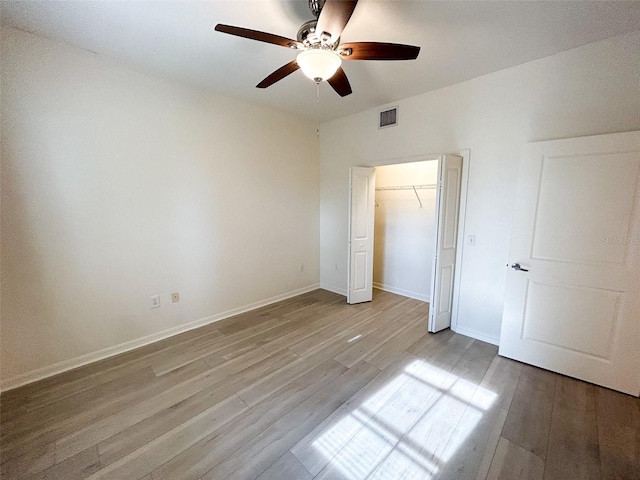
(516, 266)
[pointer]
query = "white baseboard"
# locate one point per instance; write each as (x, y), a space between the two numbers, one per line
(477, 335)
(331, 288)
(82, 360)
(404, 293)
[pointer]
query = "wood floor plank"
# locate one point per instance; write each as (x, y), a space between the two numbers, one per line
(78, 467)
(278, 379)
(430, 342)
(57, 392)
(514, 462)
(136, 436)
(393, 348)
(502, 380)
(619, 449)
(152, 455)
(316, 449)
(106, 427)
(243, 322)
(65, 406)
(471, 449)
(387, 301)
(356, 325)
(258, 320)
(30, 461)
(123, 364)
(618, 424)
(243, 340)
(380, 433)
(443, 354)
(392, 324)
(11, 401)
(146, 356)
(332, 319)
(573, 438)
(470, 452)
(529, 419)
(269, 384)
(234, 364)
(259, 453)
(616, 407)
(286, 467)
(444, 423)
(211, 451)
(58, 428)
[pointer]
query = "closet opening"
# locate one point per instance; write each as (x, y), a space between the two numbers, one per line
(403, 233)
(405, 228)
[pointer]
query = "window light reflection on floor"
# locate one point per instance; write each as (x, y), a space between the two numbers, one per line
(415, 421)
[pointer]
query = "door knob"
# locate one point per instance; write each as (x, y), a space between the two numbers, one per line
(516, 266)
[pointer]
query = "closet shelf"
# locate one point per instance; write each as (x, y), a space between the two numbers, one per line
(409, 187)
(415, 189)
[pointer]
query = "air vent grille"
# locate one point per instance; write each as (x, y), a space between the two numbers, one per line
(388, 118)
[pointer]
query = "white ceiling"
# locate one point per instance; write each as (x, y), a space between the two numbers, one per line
(459, 40)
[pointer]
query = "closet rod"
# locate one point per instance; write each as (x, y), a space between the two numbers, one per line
(409, 187)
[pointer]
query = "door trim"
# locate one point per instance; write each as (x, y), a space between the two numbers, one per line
(462, 215)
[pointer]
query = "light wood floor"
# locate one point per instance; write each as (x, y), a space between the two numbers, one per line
(314, 388)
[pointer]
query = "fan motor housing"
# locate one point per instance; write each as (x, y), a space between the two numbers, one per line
(308, 36)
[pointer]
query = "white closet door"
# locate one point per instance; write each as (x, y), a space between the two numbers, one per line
(362, 188)
(444, 262)
(572, 302)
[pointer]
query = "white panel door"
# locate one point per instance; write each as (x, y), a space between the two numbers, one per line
(573, 304)
(362, 189)
(444, 262)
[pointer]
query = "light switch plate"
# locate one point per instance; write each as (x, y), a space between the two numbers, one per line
(155, 301)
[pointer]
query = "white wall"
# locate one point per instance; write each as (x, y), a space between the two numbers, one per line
(405, 232)
(590, 90)
(117, 185)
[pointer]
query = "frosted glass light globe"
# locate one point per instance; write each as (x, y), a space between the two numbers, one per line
(319, 64)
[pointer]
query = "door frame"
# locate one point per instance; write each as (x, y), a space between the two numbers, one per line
(460, 243)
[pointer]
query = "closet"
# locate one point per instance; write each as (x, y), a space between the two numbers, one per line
(403, 233)
(405, 228)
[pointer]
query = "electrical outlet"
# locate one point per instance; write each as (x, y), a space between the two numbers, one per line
(155, 301)
(301, 267)
(175, 297)
(336, 267)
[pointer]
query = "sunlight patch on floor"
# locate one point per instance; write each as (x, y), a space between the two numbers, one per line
(406, 427)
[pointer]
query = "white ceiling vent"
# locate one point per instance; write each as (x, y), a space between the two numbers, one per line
(388, 118)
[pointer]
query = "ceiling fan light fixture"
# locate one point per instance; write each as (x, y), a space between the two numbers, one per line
(318, 63)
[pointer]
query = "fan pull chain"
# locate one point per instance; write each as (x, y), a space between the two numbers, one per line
(318, 108)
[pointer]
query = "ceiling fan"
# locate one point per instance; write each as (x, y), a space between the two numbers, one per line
(321, 53)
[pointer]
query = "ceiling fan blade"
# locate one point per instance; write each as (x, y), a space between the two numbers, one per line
(340, 83)
(279, 74)
(256, 35)
(377, 51)
(334, 17)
